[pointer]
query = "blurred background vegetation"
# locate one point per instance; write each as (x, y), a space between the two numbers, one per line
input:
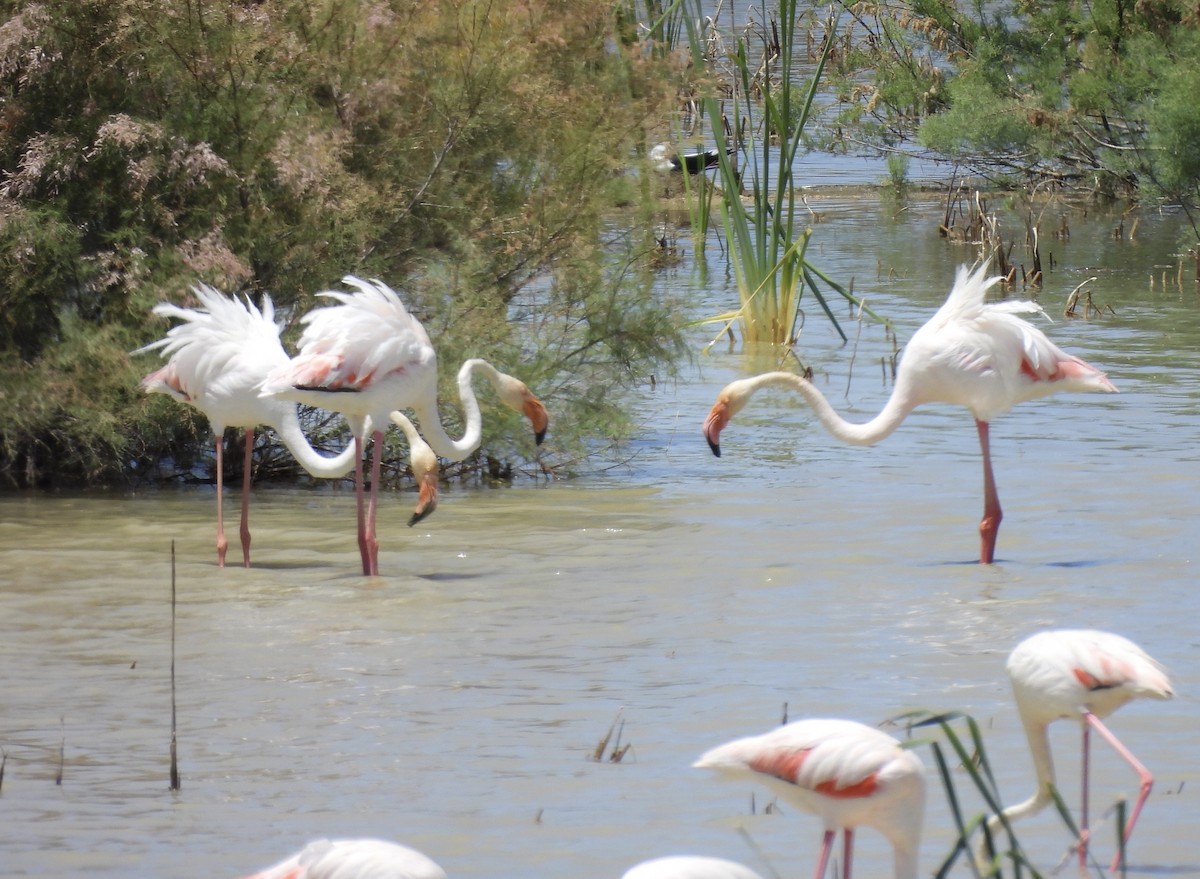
(482, 157)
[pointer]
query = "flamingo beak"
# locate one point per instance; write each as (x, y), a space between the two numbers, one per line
(538, 417)
(717, 418)
(427, 498)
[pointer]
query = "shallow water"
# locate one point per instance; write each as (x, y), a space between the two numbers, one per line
(454, 702)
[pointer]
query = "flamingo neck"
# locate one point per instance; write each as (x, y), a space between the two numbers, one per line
(1043, 764)
(431, 420)
(904, 859)
(315, 463)
(866, 434)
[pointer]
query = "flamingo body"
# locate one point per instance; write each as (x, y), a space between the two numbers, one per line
(689, 867)
(354, 859)
(971, 353)
(368, 356)
(1086, 675)
(846, 773)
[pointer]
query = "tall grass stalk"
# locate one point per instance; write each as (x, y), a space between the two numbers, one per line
(973, 760)
(768, 250)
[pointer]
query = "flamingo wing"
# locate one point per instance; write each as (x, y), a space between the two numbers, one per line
(369, 337)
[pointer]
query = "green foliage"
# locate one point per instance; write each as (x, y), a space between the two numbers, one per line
(279, 145)
(1085, 95)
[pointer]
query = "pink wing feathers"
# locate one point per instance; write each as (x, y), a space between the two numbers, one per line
(371, 337)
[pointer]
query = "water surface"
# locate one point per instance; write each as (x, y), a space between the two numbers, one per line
(454, 702)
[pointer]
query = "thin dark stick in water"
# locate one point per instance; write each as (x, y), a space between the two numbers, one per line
(62, 747)
(175, 782)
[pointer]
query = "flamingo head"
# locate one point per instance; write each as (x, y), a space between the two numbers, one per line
(516, 395)
(425, 471)
(537, 415)
(729, 402)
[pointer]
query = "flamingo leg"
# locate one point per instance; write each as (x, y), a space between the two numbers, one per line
(222, 543)
(826, 848)
(247, 466)
(1145, 778)
(847, 851)
(372, 540)
(358, 497)
(989, 526)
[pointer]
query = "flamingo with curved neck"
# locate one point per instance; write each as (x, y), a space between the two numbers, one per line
(368, 356)
(979, 355)
(1081, 674)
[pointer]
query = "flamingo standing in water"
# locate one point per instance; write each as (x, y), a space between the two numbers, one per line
(971, 353)
(1086, 675)
(218, 356)
(689, 867)
(846, 773)
(369, 356)
(354, 859)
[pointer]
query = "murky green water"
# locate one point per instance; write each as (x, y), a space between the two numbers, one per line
(452, 704)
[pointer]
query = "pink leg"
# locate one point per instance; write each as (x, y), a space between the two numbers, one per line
(247, 466)
(358, 496)
(376, 466)
(847, 851)
(222, 543)
(1144, 777)
(989, 527)
(823, 859)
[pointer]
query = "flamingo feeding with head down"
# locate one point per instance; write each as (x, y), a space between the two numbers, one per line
(979, 355)
(689, 867)
(1086, 675)
(219, 354)
(368, 356)
(354, 859)
(847, 773)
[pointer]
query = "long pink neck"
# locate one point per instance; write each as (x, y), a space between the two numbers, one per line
(866, 434)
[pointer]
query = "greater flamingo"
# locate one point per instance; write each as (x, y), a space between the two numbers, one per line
(846, 773)
(971, 353)
(218, 357)
(689, 867)
(369, 356)
(354, 859)
(1086, 675)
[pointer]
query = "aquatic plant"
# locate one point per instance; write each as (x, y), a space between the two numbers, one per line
(758, 199)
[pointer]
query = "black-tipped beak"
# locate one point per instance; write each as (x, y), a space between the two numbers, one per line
(717, 418)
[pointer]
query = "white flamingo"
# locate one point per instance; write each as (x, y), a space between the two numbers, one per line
(1085, 675)
(846, 773)
(689, 867)
(971, 353)
(368, 356)
(354, 859)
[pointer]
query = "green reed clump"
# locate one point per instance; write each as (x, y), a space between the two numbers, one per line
(773, 105)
